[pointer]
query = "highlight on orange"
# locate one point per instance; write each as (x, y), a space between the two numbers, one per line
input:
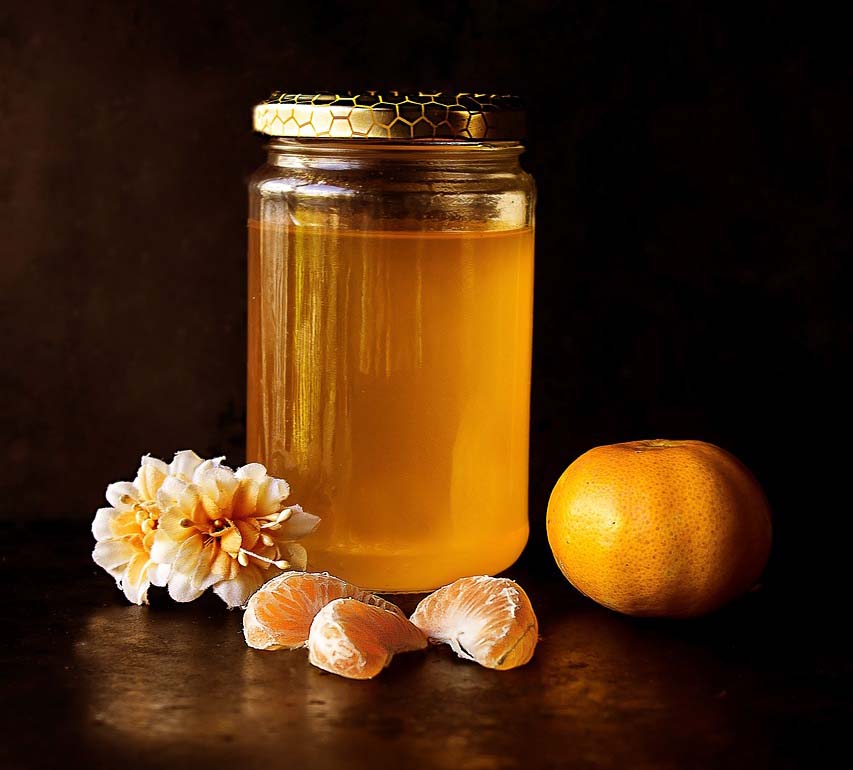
(660, 528)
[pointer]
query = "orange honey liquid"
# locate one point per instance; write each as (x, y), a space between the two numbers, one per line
(389, 383)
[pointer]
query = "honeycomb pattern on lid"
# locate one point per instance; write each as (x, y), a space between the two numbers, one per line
(391, 115)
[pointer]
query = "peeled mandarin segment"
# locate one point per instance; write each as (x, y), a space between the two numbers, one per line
(278, 616)
(484, 619)
(358, 640)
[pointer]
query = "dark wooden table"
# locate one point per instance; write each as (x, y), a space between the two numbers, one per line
(90, 681)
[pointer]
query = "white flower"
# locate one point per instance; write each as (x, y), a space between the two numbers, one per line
(226, 530)
(125, 532)
(195, 524)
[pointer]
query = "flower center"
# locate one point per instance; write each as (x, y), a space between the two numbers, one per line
(147, 516)
(222, 528)
(219, 527)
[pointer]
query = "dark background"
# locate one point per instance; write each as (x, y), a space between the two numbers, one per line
(692, 247)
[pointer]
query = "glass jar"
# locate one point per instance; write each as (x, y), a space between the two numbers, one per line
(390, 319)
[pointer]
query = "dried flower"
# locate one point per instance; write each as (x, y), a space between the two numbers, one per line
(226, 530)
(209, 526)
(125, 532)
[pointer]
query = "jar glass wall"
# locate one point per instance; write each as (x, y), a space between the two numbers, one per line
(390, 319)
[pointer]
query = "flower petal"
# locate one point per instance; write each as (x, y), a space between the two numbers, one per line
(231, 541)
(113, 556)
(148, 540)
(170, 525)
(224, 567)
(152, 473)
(180, 500)
(206, 465)
(245, 499)
(297, 526)
(236, 592)
(186, 559)
(272, 496)
(203, 577)
(134, 582)
(181, 588)
(124, 524)
(250, 531)
(158, 574)
(296, 555)
(102, 525)
(164, 548)
(184, 464)
(217, 485)
(254, 471)
(118, 493)
(170, 491)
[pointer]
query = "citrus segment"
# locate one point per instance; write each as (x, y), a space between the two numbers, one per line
(659, 528)
(357, 640)
(485, 619)
(278, 616)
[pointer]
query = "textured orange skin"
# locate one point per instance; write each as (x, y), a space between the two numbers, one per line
(659, 528)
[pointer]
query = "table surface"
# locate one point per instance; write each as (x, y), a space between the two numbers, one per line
(92, 681)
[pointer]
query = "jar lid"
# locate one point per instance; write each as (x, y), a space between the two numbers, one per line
(391, 115)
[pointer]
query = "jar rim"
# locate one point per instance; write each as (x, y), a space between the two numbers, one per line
(413, 151)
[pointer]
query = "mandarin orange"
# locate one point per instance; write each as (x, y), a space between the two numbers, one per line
(659, 528)
(279, 614)
(485, 619)
(357, 640)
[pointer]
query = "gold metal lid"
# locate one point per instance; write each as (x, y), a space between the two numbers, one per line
(391, 115)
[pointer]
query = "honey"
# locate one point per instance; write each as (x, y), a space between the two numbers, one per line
(389, 383)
